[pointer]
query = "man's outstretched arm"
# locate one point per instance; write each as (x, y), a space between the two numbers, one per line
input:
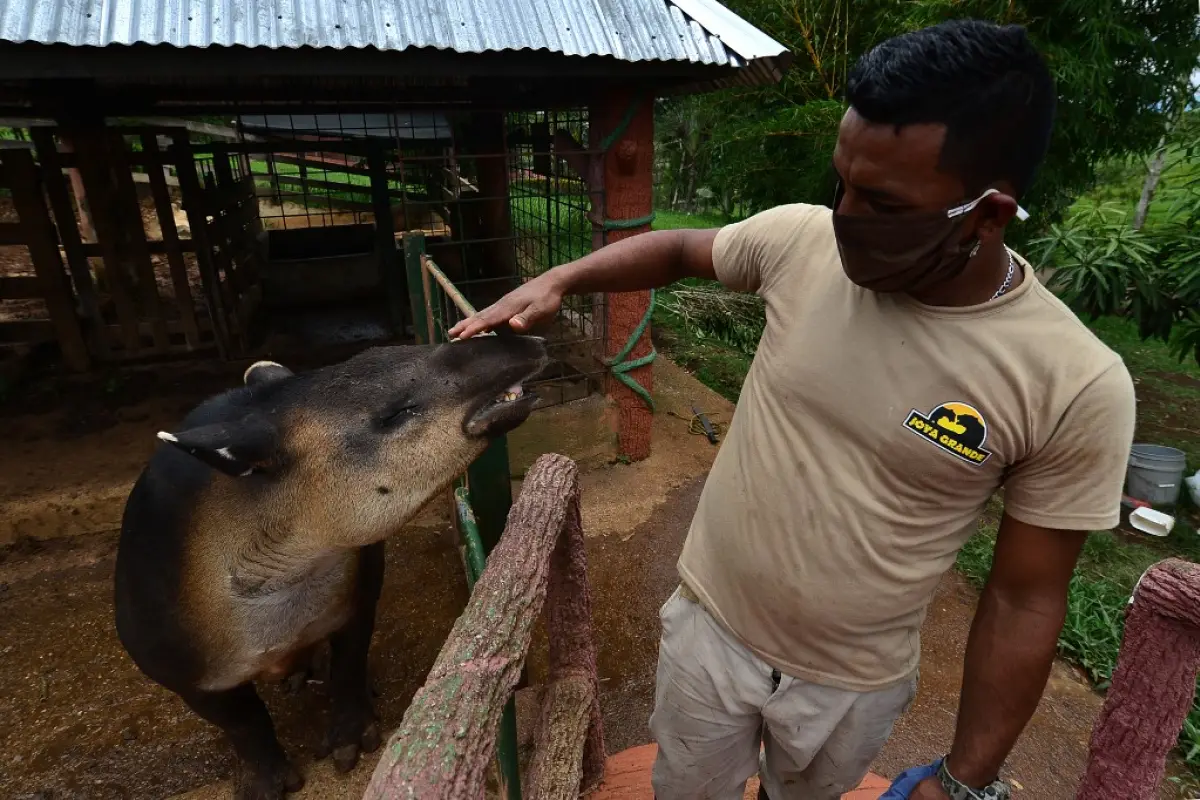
(648, 261)
(1011, 647)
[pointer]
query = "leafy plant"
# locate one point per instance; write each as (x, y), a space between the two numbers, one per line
(1115, 64)
(1103, 266)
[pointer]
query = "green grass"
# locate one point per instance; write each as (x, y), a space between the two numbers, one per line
(1168, 413)
(673, 220)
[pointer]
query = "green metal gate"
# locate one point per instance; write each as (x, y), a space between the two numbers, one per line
(482, 497)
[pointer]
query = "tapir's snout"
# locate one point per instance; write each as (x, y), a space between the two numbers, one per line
(492, 370)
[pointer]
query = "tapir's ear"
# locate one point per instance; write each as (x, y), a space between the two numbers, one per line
(265, 371)
(235, 448)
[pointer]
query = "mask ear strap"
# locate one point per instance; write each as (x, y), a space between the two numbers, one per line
(967, 208)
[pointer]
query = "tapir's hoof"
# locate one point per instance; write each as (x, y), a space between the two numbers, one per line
(345, 753)
(271, 784)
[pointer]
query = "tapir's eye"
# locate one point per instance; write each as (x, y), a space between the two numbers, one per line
(397, 415)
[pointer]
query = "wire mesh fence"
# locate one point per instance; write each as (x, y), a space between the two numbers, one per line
(493, 193)
(500, 196)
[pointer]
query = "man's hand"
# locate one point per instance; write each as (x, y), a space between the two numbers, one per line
(521, 309)
(929, 789)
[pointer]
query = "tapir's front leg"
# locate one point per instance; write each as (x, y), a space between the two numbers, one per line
(263, 771)
(354, 727)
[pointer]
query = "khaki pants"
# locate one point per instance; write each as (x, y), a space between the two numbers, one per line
(716, 702)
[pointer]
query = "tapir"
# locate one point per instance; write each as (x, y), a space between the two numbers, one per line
(255, 533)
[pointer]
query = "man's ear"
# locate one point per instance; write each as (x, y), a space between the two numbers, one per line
(234, 448)
(996, 211)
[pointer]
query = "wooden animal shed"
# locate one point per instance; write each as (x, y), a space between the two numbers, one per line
(239, 178)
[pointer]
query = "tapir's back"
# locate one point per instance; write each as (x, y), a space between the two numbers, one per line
(150, 558)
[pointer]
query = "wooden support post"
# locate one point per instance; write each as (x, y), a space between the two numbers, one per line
(40, 237)
(69, 236)
(93, 151)
(81, 204)
(446, 739)
(629, 194)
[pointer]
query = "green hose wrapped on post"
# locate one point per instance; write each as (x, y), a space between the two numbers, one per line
(621, 368)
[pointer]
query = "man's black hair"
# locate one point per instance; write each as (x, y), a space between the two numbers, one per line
(985, 82)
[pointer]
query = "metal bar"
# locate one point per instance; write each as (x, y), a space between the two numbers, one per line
(475, 558)
(490, 483)
(460, 301)
(385, 236)
(431, 318)
(414, 248)
(476, 561)
(506, 751)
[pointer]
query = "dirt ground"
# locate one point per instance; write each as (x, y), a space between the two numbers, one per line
(78, 721)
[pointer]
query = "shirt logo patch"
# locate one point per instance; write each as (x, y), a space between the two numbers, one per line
(957, 428)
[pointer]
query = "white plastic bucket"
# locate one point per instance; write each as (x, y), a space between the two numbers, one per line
(1155, 474)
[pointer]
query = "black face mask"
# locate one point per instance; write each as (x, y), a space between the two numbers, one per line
(905, 252)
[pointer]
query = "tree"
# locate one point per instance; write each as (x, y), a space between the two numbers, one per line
(1115, 61)
(1181, 101)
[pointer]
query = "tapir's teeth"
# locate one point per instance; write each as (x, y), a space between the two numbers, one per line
(512, 393)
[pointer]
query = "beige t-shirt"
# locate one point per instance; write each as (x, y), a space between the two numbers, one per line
(870, 433)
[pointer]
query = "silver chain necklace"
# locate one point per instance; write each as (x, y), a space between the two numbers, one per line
(1008, 279)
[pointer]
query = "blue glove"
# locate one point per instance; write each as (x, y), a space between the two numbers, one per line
(906, 781)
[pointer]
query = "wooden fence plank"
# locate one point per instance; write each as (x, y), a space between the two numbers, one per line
(328, 205)
(69, 237)
(135, 239)
(98, 187)
(156, 247)
(11, 233)
(175, 260)
(75, 160)
(348, 146)
(20, 287)
(42, 241)
(27, 331)
(320, 164)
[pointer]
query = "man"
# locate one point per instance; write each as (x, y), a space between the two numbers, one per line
(911, 366)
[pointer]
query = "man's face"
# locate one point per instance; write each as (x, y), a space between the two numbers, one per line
(888, 171)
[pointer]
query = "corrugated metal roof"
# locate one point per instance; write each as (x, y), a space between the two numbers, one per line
(693, 31)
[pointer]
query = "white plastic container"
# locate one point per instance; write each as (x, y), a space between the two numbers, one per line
(1149, 521)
